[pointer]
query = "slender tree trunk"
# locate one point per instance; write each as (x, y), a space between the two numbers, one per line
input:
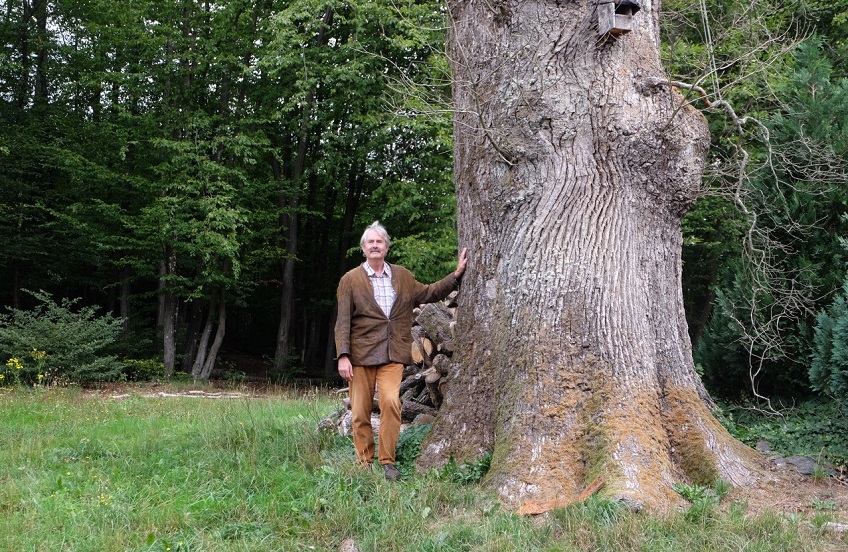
(287, 289)
(41, 58)
(160, 295)
(168, 310)
(203, 343)
(212, 356)
(703, 313)
(290, 221)
(354, 193)
(572, 177)
(330, 370)
(124, 301)
(195, 320)
(169, 335)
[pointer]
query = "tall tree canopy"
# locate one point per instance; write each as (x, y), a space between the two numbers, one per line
(203, 168)
(187, 163)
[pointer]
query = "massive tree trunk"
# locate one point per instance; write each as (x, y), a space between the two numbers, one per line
(572, 176)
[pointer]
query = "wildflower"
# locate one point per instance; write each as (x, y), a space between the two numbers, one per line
(40, 378)
(14, 363)
(38, 355)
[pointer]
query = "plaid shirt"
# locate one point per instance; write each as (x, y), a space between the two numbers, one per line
(384, 293)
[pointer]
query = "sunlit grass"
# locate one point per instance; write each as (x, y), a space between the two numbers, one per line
(167, 473)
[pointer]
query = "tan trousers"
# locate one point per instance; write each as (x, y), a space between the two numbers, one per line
(386, 378)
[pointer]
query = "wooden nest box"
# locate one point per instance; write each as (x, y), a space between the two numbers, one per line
(615, 17)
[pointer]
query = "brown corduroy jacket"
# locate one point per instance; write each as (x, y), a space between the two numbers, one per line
(363, 332)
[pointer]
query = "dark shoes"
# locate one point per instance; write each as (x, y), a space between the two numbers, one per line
(392, 473)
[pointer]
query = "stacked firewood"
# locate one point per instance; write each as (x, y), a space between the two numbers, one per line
(423, 386)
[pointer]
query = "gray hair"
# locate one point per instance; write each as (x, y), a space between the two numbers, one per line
(380, 229)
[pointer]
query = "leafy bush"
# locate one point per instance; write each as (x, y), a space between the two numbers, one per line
(143, 369)
(54, 342)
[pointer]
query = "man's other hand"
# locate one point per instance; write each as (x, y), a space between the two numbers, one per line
(345, 368)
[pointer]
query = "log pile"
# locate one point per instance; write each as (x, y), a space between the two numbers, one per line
(423, 386)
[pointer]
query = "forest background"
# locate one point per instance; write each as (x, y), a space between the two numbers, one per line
(184, 178)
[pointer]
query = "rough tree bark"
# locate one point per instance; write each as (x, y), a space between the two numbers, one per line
(572, 177)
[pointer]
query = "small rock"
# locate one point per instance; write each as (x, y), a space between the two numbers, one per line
(348, 545)
(807, 466)
(836, 527)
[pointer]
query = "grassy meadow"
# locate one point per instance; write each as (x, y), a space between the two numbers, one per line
(191, 474)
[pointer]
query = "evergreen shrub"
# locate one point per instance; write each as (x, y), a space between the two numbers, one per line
(829, 366)
(55, 342)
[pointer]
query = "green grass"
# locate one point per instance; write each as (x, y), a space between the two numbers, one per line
(190, 474)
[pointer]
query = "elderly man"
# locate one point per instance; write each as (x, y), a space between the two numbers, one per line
(373, 340)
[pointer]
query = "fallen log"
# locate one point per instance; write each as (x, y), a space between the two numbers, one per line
(431, 381)
(435, 319)
(442, 364)
(412, 409)
(411, 382)
(422, 346)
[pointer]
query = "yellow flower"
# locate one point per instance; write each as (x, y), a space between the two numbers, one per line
(14, 363)
(38, 355)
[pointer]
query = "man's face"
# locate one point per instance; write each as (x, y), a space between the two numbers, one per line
(375, 247)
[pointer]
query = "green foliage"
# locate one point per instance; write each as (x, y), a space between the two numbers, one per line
(705, 500)
(258, 475)
(735, 365)
(829, 366)
(694, 493)
(751, 281)
(184, 149)
(429, 256)
(816, 427)
(60, 342)
(143, 369)
(760, 333)
(467, 472)
(409, 447)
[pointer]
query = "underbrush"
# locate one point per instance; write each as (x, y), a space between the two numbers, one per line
(816, 427)
(194, 474)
